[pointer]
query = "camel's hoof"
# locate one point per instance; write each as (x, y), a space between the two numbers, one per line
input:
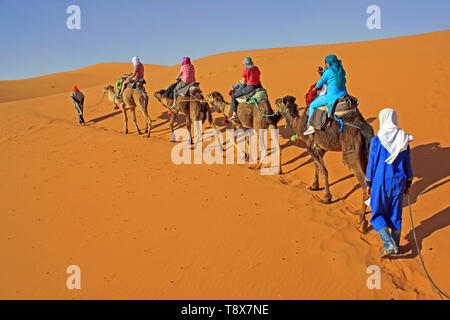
(139, 132)
(327, 200)
(252, 167)
(314, 188)
(126, 132)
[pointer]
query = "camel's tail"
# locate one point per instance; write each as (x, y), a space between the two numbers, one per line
(275, 116)
(368, 133)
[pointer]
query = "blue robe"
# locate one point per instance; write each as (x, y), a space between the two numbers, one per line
(388, 182)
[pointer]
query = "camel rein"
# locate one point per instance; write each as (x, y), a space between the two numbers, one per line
(101, 100)
(420, 254)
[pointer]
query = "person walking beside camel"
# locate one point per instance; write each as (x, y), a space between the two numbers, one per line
(389, 177)
(78, 101)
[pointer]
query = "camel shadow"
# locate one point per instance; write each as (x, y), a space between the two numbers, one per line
(99, 119)
(426, 227)
(430, 165)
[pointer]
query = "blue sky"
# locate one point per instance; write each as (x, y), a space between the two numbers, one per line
(36, 40)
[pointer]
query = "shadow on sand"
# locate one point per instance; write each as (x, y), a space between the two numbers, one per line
(430, 165)
(96, 120)
(426, 227)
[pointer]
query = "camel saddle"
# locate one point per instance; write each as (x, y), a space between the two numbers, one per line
(137, 84)
(345, 104)
(257, 95)
(191, 88)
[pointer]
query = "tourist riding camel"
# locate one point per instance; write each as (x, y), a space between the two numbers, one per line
(136, 76)
(334, 79)
(185, 77)
(250, 82)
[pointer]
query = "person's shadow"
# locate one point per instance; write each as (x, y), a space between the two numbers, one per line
(430, 163)
(428, 226)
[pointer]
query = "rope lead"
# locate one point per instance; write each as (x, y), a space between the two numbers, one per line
(420, 254)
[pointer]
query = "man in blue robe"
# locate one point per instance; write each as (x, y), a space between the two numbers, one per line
(388, 177)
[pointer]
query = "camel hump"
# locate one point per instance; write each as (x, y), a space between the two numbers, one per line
(195, 88)
(345, 104)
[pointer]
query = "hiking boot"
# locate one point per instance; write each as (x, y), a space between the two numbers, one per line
(233, 118)
(387, 252)
(309, 131)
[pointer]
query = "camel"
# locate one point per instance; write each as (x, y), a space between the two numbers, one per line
(130, 98)
(250, 116)
(352, 142)
(193, 107)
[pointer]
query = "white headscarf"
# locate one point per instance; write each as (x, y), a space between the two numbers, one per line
(394, 139)
(135, 61)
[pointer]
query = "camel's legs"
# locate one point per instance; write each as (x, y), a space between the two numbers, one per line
(125, 117)
(144, 112)
(173, 116)
(317, 155)
(235, 144)
(133, 116)
(277, 148)
(262, 150)
(352, 160)
(315, 185)
(211, 122)
(188, 127)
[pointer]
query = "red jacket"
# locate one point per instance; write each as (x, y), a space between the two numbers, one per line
(310, 96)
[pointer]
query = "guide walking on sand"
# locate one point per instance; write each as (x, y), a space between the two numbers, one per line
(388, 177)
(78, 101)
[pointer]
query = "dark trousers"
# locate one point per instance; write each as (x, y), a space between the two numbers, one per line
(245, 89)
(180, 85)
(79, 110)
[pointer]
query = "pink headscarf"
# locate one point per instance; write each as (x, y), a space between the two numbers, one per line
(186, 60)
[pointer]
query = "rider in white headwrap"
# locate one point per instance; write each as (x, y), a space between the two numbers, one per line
(138, 74)
(394, 139)
(135, 61)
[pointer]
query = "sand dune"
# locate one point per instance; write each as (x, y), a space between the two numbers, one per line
(62, 82)
(141, 227)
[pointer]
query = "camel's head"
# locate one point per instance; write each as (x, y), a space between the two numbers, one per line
(108, 88)
(159, 94)
(215, 99)
(287, 105)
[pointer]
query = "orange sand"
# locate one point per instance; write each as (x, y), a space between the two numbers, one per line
(141, 227)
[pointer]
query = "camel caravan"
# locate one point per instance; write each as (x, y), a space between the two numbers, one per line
(331, 120)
